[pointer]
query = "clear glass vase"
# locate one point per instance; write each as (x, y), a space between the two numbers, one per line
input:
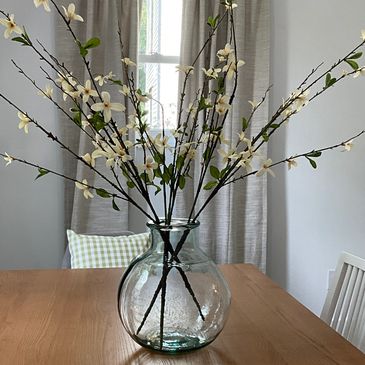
(173, 298)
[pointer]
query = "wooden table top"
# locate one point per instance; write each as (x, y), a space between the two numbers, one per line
(70, 317)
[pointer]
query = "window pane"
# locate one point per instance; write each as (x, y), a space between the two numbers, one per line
(171, 13)
(162, 80)
(160, 31)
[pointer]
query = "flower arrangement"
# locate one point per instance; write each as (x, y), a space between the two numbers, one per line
(167, 156)
(198, 128)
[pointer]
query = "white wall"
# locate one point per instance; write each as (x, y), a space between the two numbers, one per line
(31, 213)
(315, 214)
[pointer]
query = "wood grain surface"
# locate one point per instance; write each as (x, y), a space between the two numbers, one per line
(70, 317)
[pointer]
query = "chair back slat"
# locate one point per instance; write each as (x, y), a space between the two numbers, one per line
(359, 309)
(354, 300)
(337, 314)
(344, 309)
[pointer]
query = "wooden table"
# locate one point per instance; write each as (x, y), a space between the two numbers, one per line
(70, 317)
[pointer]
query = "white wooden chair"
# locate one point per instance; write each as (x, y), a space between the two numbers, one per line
(344, 308)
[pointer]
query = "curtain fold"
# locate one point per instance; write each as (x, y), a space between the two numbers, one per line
(233, 227)
(102, 19)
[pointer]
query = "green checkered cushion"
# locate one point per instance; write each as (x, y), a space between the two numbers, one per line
(105, 251)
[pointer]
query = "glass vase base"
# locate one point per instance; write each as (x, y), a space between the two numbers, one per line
(172, 342)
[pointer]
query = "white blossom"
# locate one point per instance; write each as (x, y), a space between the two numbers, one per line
(232, 65)
(10, 26)
(347, 146)
(254, 104)
(222, 104)
(89, 159)
(125, 90)
(70, 13)
(68, 86)
(148, 167)
(245, 160)
(229, 155)
(143, 98)
(187, 70)
(24, 122)
(212, 72)
(359, 72)
(223, 54)
(363, 34)
(45, 4)
(8, 159)
(87, 91)
(191, 153)
(265, 168)
(230, 5)
(301, 99)
(242, 138)
(102, 79)
(106, 106)
(291, 163)
(192, 109)
(127, 61)
(47, 93)
(161, 143)
(84, 188)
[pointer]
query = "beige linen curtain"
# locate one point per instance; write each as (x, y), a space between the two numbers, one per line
(101, 20)
(233, 227)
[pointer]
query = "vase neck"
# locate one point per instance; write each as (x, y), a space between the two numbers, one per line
(177, 236)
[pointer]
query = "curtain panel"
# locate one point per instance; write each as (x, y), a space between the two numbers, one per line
(102, 19)
(233, 227)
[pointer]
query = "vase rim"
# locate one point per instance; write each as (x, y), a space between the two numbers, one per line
(176, 223)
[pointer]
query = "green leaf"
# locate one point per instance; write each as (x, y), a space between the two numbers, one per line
(117, 82)
(206, 154)
(312, 162)
(103, 193)
(21, 40)
(130, 184)
(244, 124)
(158, 158)
(329, 80)
(220, 83)
(181, 182)
(83, 51)
(214, 171)
(352, 63)
(314, 154)
(203, 105)
(77, 118)
(210, 185)
(274, 126)
(92, 43)
(144, 177)
(97, 121)
(355, 56)
(180, 162)
(265, 137)
(115, 206)
(158, 189)
(42, 172)
(26, 36)
(158, 173)
(166, 177)
(212, 22)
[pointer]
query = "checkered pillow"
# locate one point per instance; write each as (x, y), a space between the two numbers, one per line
(105, 251)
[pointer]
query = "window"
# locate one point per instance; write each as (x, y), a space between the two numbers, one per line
(159, 54)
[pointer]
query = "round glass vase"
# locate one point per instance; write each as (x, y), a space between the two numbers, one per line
(173, 298)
